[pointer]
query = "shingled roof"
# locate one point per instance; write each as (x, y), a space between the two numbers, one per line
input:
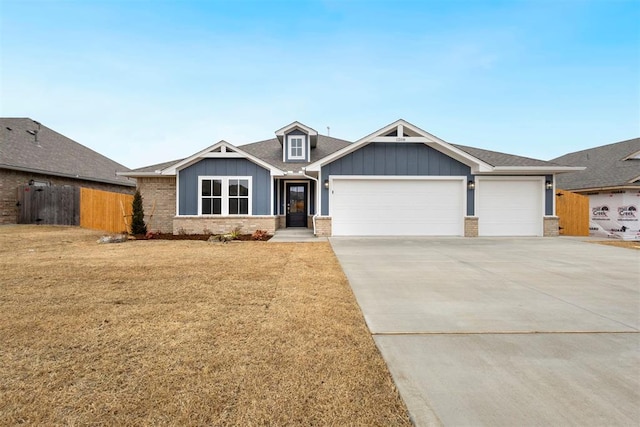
(271, 151)
(27, 145)
(495, 158)
(608, 166)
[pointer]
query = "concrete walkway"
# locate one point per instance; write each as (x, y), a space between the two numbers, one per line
(295, 234)
(503, 332)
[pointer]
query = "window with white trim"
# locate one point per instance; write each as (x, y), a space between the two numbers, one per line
(224, 195)
(296, 147)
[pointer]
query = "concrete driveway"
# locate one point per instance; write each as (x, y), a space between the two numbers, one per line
(503, 332)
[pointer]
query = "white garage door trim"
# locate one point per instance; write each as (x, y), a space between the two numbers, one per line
(415, 205)
(510, 206)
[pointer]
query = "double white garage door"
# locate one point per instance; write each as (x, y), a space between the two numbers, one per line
(415, 206)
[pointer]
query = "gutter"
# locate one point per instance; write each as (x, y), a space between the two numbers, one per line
(68, 175)
(522, 170)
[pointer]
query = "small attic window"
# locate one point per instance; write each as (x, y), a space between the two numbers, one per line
(296, 147)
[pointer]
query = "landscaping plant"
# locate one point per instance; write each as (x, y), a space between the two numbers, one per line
(137, 221)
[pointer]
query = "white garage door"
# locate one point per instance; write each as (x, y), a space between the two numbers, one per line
(397, 207)
(509, 207)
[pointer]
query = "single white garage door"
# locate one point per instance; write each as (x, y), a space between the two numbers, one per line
(509, 207)
(397, 207)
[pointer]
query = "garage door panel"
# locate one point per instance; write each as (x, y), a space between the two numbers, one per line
(397, 207)
(509, 208)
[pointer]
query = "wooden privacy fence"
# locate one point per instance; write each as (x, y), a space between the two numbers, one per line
(104, 210)
(55, 205)
(573, 213)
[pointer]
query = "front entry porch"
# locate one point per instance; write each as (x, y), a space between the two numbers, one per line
(295, 203)
(296, 234)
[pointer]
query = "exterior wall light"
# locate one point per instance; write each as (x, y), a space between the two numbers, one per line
(326, 184)
(471, 185)
(548, 185)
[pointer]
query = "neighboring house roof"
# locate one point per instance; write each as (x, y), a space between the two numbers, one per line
(26, 145)
(608, 166)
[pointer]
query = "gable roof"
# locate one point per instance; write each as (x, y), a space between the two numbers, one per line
(29, 146)
(313, 134)
(608, 166)
(268, 153)
(480, 161)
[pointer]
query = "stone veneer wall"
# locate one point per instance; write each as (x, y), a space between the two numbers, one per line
(323, 226)
(160, 191)
(11, 179)
(471, 226)
(551, 226)
(222, 225)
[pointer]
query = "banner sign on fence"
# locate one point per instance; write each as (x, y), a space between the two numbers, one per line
(614, 214)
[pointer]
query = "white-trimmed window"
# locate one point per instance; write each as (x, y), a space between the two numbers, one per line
(224, 195)
(296, 147)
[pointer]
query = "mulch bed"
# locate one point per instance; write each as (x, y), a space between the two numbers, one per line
(203, 237)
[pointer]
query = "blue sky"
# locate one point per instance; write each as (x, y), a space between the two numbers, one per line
(144, 82)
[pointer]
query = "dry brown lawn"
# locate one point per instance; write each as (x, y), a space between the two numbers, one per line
(182, 333)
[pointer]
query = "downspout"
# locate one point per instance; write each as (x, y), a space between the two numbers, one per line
(317, 206)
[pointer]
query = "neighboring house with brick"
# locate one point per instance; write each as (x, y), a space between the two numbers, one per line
(398, 180)
(611, 180)
(33, 154)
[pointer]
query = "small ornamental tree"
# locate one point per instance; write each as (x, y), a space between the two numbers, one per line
(137, 221)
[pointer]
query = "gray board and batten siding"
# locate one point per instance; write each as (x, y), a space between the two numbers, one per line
(549, 197)
(260, 186)
(388, 158)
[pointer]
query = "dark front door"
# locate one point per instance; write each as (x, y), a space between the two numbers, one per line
(296, 205)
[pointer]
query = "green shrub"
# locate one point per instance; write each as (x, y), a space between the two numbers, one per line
(137, 221)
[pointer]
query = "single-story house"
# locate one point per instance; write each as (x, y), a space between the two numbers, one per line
(31, 153)
(611, 180)
(398, 180)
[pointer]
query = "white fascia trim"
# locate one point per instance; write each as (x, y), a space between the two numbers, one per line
(178, 194)
(138, 174)
(223, 145)
(633, 156)
(397, 178)
(434, 142)
(296, 125)
(400, 139)
(536, 169)
(633, 180)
